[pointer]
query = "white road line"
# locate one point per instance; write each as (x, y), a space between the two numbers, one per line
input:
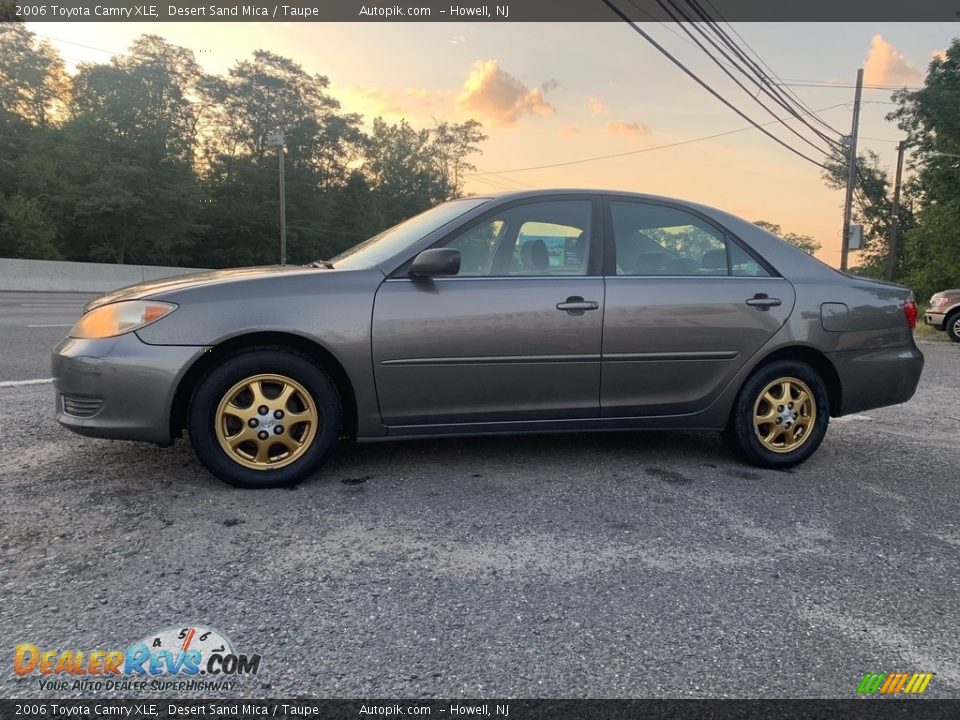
(18, 383)
(67, 325)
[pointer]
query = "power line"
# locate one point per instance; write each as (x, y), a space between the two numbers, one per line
(638, 152)
(706, 86)
(772, 73)
(760, 86)
(763, 81)
(640, 9)
(883, 140)
(71, 42)
(516, 182)
(494, 184)
(844, 86)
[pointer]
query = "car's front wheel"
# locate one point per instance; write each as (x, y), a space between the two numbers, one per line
(953, 327)
(265, 418)
(780, 416)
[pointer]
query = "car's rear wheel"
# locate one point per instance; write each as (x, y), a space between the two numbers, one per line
(953, 326)
(265, 418)
(780, 415)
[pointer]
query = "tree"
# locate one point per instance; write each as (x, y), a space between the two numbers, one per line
(33, 81)
(147, 159)
(135, 192)
(25, 230)
(872, 207)
(804, 242)
(410, 170)
(451, 145)
(931, 259)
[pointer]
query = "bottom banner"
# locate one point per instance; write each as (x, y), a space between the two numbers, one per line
(913, 709)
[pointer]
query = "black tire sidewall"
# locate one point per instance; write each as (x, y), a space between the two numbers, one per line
(741, 432)
(949, 326)
(210, 390)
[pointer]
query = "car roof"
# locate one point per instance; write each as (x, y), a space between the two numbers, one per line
(538, 192)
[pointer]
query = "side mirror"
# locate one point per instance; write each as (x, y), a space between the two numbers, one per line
(436, 261)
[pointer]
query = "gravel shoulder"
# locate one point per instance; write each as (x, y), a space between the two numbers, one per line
(577, 565)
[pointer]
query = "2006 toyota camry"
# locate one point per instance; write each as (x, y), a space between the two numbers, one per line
(534, 311)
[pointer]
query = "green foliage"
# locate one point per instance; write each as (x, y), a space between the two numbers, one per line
(928, 251)
(929, 116)
(685, 241)
(25, 230)
(872, 208)
(33, 81)
(147, 159)
(804, 242)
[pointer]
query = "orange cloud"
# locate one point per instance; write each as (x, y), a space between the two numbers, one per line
(496, 95)
(570, 131)
(598, 107)
(885, 65)
(391, 103)
(631, 130)
(371, 100)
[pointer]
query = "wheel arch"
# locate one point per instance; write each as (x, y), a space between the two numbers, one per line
(268, 339)
(818, 361)
(951, 316)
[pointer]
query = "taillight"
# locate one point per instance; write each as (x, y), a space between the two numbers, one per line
(910, 313)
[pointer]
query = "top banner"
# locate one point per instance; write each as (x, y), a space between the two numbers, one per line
(446, 11)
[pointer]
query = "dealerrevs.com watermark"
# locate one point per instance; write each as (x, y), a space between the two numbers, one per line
(191, 658)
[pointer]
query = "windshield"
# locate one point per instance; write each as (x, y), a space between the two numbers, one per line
(392, 241)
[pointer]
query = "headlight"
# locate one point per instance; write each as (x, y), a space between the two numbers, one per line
(118, 318)
(937, 300)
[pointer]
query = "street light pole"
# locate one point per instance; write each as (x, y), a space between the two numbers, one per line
(283, 203)
(279, 141)
(851, 172)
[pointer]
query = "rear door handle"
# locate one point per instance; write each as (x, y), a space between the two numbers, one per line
(762, 301)
(576, 305)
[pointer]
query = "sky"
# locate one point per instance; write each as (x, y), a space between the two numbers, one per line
(552, 93)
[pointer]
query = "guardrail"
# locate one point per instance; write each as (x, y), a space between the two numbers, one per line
(57, 276)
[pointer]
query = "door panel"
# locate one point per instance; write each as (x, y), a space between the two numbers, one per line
(486, 349)
(670, 345)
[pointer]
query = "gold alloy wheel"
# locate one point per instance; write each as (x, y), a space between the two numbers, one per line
(784, 415)
(266, 422)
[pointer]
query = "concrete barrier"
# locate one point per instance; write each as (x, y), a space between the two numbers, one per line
(56, 276)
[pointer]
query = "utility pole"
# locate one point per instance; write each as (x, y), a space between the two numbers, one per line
(895, 220)
(851, 171)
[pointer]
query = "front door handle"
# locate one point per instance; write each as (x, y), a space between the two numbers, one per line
(576, 305)
(762, 301)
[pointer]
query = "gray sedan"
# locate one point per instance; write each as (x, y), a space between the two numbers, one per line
(539, 311)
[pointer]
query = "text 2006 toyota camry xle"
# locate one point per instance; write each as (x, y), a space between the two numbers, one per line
(535, 311)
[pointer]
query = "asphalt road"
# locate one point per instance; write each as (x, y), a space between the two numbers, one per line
(31, 324)
(580, 565)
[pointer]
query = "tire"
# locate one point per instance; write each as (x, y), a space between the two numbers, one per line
(795, 442)
(952, 326)
(288, 442)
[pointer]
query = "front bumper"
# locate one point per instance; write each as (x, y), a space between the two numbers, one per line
(120, 387)
(935, 319)
(877, 378)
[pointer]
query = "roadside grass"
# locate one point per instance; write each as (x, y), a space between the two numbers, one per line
(926, 332)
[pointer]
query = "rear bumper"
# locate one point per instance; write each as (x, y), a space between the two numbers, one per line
(934, 319)
(877, 378)
(118, 388)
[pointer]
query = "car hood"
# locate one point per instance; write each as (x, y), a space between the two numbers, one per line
(183, 282)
